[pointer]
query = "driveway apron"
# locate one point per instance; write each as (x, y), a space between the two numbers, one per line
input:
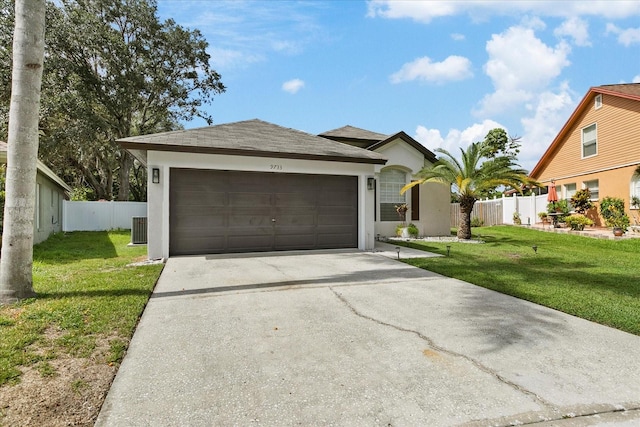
(354, 338)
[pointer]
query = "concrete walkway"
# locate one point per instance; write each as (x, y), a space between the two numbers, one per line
(358, 339)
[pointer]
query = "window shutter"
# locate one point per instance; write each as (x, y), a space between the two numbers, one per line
(415, 203)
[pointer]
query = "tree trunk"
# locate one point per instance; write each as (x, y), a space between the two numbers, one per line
(466, 207)
(124, 174)
(16, 274)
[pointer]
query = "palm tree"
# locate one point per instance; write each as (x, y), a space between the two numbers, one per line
(472, 177)
(16, 276)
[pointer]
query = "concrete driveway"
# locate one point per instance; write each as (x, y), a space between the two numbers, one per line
(358, 339)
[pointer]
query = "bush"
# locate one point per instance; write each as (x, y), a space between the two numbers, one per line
(561, 207)
(477, 222)
(578, 221)
(516, 218)
(413, 230)
(581, 201)
(612, 210)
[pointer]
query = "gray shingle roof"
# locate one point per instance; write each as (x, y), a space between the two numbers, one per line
(252, 138)
(352, 132)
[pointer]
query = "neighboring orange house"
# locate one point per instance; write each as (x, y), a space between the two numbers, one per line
(598, 148)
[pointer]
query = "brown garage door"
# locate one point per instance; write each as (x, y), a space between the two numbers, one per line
(229, 211)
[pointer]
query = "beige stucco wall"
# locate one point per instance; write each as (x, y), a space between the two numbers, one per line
(611, 183)
(435, 199)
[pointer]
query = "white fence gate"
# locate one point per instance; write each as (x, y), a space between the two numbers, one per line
(100, 216)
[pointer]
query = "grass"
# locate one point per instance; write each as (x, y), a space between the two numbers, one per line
(595, 279)
(88, 303)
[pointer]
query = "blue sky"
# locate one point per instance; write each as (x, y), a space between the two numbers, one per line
(445, 72)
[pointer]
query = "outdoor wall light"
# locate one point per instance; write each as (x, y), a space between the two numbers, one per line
(371, 183)
(155, 175)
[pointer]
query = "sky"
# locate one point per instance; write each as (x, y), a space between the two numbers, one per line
(444, 72)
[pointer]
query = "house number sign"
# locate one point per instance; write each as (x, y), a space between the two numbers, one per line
(275, 167)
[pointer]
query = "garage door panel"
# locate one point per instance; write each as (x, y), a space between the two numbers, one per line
(330, 220)
(206, 198)
(233, 211)
(249, 199)
(306, 199)
(250, 220)
(236, 243)
(200, 223)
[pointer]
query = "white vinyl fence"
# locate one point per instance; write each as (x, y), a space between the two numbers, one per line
(100, 216)
(500, 211)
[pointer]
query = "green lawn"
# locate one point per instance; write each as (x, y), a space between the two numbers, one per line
(88, 303)
(595, 279)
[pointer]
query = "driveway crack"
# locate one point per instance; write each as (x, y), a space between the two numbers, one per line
(435, 346)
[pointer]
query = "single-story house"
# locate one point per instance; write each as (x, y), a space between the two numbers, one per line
(51, 190)
(429, 203)
(255, 186)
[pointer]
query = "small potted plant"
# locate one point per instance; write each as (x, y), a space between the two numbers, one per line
(612, 210)
(516, 218)
(402, 212)
(544, 217)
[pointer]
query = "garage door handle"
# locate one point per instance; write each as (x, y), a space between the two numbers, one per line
(273, 220)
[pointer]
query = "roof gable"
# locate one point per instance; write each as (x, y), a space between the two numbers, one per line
(42, 168)
(252, 138)
(627, 91)
(428, 154)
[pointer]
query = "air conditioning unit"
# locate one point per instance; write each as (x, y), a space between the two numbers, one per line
(138, 230)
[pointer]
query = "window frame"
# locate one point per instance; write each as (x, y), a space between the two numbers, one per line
(595, 195)
(634, 190)
(385, 192)
(597, 102)
(595, 143)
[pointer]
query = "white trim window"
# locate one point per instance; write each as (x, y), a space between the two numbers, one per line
(391, 182)
(569, 191)
(594, 188)
(598, 102)
(635, 190)
(589, 141)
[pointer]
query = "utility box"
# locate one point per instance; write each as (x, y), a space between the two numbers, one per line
(138, 230)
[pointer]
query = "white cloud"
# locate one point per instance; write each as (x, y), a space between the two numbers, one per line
(293, 86)
(549, 113)
(228, 58)
(457, 37)
(577, 29)
(625, 37)
(455, 139)
(419, 11)
(426, 11)
(451, 69)
(520, 65)
(636, 79)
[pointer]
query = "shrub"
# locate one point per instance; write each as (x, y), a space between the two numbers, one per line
(516, 218)
(477, 222)
(581, 201)
(612, 210)
(561, 207)
(413, 230)
(578, 221)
